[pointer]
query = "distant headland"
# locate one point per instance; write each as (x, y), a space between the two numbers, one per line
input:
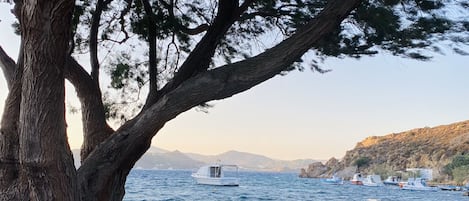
(444, 149)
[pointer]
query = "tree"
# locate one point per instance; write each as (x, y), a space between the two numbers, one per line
(460, 164)
(361, 162)
(197, 51)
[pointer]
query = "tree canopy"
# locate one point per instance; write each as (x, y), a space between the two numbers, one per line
(179, 55)
(412, 29)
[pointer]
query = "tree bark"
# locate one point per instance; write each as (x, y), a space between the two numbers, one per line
(46, 163)
(8, 66)
(9, 147)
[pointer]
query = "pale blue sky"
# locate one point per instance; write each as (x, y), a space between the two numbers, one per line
(311, 115)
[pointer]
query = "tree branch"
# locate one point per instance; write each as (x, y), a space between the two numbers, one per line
(8, 66)
(200, 57)
(96, 18)
(153, 66)
(9, 136)
(127, 145)
(178, 26)
(95, 127)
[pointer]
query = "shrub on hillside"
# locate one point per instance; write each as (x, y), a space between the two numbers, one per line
(459, 163)
(461, 174)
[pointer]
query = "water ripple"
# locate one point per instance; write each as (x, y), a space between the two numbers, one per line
(165, 185)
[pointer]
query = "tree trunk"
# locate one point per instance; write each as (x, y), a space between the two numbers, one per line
(9, 160)
(46, 163)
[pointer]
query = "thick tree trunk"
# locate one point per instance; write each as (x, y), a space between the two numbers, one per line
(46, 164)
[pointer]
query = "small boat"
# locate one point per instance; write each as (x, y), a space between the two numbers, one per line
(215, 175)
(417, 184)
(392, 180)
(334, 180)
(357, 179)
(450, 188)
(373, 180)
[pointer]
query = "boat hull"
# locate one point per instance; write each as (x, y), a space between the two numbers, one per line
(394, 183)
(413, 188)
(224, 181)
(333, 181)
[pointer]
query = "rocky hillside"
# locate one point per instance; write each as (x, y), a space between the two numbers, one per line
(422, 147)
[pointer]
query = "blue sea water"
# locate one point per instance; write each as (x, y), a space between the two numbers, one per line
(177, 185)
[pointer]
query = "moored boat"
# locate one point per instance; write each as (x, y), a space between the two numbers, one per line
(417, 184)
(450, 188)
(373, 180)
(215, 175)
(392, 180)
(334, 180)
(357, 179)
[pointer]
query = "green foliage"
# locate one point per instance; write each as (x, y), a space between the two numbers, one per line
(458, 161)
(461, 174)
(124, 72)
(382, 170)
(362, 162)
(409, 28)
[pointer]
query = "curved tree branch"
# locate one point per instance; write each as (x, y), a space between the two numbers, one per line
(119, 152)
(194, 31)
(191, 31)
(95, 127)
(200, 57)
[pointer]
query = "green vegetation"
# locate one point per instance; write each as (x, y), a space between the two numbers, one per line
(461, 174)
(458, 169)
(383, 170)
(362, 162)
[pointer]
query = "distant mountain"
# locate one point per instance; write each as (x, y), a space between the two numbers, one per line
(253, 162)
(156, 150)
(417, 148)
(167, 160)
(156, 158)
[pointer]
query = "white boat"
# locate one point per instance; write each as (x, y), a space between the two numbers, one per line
(417, 184)
(373, 180)
(357, 179)
(334, 180)
(215, 175)
(392, 180)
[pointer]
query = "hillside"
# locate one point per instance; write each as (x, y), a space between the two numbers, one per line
(422, 147)
(156, 158)
(254, 162)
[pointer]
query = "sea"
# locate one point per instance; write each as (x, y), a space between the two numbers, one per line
(178, 185)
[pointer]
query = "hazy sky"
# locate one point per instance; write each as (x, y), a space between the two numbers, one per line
(309, 115)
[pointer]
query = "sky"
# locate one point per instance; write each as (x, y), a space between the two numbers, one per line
(305, 114)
